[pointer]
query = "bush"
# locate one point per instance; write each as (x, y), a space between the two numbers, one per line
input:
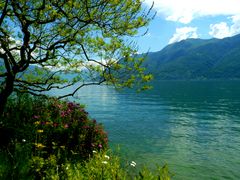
(52, 127)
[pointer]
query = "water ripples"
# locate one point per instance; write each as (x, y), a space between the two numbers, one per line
(193, 126)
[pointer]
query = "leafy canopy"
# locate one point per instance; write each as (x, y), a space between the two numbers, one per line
(41, 40)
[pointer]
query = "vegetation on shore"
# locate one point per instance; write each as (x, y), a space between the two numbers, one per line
(41, 41)
(52, 139)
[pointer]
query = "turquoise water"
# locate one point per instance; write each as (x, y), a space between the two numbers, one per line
(193, 126)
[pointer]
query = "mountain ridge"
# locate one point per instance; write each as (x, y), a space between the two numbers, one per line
(197, 59)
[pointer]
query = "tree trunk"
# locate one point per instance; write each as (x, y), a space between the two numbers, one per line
(6, 92)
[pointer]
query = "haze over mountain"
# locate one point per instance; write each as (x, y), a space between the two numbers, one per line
(197, 59)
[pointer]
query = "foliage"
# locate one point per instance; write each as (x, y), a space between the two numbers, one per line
(102, 165)
(52, 139)
(46, 168)
(53, 127)
(43, 40)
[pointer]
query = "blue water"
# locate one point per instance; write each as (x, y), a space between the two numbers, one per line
(193, 126)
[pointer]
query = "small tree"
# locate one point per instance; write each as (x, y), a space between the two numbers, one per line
(41, 40)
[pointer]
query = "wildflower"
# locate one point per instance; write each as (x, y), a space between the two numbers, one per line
(107, 157)
(69, 111)
(73, 152)
(63, 147)
(36, 117)
(55, 124)
(63, 114)
(37, 122)
(104, 162)
(94, 151)
(133, 164)
(66, 126)
(100, 146)
(48, 123)
(40, 131)
(71, 104)
(23, 140)
(39, 145)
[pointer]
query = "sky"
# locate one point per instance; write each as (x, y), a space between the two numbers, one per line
(177, 20)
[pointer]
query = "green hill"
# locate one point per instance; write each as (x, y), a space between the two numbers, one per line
(197, 59)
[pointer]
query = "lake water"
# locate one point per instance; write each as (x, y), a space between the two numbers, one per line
(193, 126)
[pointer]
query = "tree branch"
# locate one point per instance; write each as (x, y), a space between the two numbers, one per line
(84, 84)
(4, 12)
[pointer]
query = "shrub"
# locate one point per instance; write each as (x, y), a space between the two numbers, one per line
(53, 127)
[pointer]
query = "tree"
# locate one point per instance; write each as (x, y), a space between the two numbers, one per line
(41, 40)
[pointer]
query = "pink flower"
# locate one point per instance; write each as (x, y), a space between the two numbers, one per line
(55, 124)
(85, 127)
(63, 114)
(100, 146)
(36, 117)
(71, 105)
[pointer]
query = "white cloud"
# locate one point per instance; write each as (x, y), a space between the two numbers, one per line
(185, 11)
(183, 33)
(222, 29)
(235, 28)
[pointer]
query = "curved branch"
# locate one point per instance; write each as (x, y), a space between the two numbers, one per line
(86, 55)
(84, 84)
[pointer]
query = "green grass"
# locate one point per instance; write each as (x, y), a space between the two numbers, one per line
(102, 165)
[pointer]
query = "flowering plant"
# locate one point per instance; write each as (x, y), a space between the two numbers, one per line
(65, 127)
(54, 127)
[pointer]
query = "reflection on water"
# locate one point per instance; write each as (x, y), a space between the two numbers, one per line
(193, 126)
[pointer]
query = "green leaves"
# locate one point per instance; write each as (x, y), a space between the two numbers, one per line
(83, 37)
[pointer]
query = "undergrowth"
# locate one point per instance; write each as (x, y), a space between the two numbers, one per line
(45, 138)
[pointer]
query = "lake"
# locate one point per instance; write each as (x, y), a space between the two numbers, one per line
(193, 126)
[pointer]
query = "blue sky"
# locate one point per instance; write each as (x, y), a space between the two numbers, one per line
(181, 19)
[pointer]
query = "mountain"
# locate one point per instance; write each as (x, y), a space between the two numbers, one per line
(197, 59)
